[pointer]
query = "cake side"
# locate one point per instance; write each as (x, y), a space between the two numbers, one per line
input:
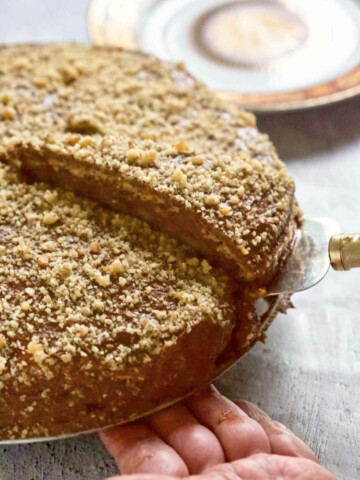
(156, 137)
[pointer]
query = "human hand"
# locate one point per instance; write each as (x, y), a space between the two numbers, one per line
(211, 438)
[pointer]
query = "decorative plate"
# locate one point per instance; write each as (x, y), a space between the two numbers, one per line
(264, 55)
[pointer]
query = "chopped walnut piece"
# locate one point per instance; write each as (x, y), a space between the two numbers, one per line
(133, 154)
(182, 147)
(198, 160)
(95, 247)
(116, 267)
(193, 262)
(66, 357)
(50, 218)
(241, 191)
(102, 280)
(225, 209)
(98, 305)
(40, 82)
(39, 356)
(50, 196)
(2, 341)
(43, 261)
(180, 178)
(25, 306)
(34, 347)
(72, 138)
(148, 136)
(205, 267)
(66, 269)
(5, 98)
(3, 362)
(82, 123)
(212, 199)
(8, 113)
(86, 142)
(149, 158)
(82, 330)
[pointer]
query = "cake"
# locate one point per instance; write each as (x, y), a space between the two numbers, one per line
(103, 318)
(143, 136)
(141, 219)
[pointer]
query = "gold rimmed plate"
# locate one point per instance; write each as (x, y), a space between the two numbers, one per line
(265, 55)
(336, 90)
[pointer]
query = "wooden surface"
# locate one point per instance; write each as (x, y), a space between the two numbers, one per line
(308, 373)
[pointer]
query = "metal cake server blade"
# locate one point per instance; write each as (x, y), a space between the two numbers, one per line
(318, 245)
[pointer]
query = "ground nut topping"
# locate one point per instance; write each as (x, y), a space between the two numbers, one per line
(122, 115)
(90, 278)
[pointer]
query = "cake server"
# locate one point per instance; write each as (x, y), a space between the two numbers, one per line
(318, 245)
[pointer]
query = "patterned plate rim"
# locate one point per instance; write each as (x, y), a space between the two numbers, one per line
(343, 87)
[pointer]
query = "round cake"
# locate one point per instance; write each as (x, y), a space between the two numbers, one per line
(103, 318)
(118, 303)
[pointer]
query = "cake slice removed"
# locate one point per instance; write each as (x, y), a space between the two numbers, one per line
(143, 136)
(102, 318)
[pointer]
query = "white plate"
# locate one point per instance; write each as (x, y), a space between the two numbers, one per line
(262, 54)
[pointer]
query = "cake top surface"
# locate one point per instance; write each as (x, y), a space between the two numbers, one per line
(81, 282)
(127, 112)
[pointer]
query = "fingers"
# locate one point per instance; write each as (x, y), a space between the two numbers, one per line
(282, 441)
(143, 476)
(136, 449)
(180, 440)
(264, 466)
(196, 444)
(240, 436)
(257, 467)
